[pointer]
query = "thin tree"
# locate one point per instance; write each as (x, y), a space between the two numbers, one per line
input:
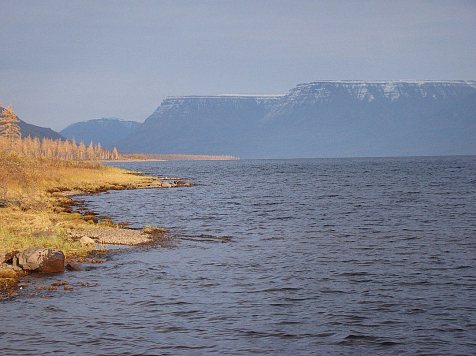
(90, 151)
(9, 128)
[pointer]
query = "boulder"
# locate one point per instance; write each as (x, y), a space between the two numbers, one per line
(181, 183)
(74, 266)
(7, 257)
(41, 260)
(87, 241)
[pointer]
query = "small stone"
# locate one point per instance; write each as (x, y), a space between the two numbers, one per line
(68, 288)
(87, 241)
(74, 266)
(181, 183)
(47, 234)
(7, 257)
(4, 266)
(90, 218)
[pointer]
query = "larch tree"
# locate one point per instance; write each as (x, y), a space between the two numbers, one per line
(9, 129)
(90, 151)
(82, 150)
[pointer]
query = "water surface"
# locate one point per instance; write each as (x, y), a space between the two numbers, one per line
(341, 256)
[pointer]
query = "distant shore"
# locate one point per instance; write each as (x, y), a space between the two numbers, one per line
(135, 160)
(133, 157)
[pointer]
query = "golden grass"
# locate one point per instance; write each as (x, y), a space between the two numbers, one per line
(36, 213)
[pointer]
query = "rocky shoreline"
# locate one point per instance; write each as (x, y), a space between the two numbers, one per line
(37, 259)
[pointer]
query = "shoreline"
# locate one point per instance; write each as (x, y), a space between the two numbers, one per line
(134, 160)
(110, 235)
(83, 228)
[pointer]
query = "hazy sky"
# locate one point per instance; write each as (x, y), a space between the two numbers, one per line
(67, 61)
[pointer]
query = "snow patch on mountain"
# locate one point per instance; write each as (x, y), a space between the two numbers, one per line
(317, 119)
(391, 90)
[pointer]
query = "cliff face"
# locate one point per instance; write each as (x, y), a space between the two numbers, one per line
(381, 118)
(318, 119)
(386, 91)
(107, 131)
(210, 125)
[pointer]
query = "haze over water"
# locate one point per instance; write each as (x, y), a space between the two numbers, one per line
(341, 256)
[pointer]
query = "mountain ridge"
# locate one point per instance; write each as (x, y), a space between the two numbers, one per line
(330, 118)
(106, 130)
(27, 129)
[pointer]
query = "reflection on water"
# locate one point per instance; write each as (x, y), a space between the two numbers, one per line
(351, 256)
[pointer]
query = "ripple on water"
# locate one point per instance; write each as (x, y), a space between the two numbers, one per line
(351, 256)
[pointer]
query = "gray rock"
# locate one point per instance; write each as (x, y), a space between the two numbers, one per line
(181, 183)
(85, 240)
(47, 234)
(7, 257)
(5, 267)
(74, 266)
(41, 260)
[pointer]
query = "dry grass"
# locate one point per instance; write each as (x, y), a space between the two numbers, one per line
(36, 213)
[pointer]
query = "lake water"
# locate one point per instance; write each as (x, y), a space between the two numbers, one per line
(338, 256)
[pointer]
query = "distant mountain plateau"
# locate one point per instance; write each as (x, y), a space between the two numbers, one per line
(318, 119)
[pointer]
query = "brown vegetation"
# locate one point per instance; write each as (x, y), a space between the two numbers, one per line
(9, 130)
(37, 179)
(35, 208)
(11, 140)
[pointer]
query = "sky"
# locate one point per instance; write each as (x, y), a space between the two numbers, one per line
(67, 61)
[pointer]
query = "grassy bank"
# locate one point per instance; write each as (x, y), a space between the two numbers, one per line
(34, 210)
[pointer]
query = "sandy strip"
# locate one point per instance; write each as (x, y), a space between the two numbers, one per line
(152, 184)
(113, 236)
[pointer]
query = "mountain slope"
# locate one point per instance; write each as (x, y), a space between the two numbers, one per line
(205, 125)
(318, 119)
(107, 131)
(355, 118)
(36, 131)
